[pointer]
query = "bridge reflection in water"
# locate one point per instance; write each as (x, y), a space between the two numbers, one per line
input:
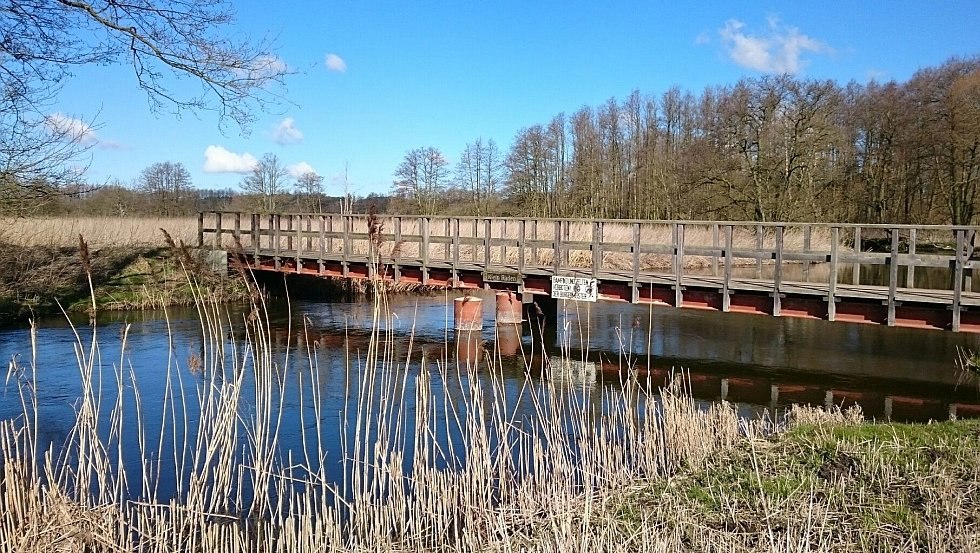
(920, 276)
(763, 363)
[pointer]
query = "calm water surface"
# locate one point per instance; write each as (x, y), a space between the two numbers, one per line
(761, 363)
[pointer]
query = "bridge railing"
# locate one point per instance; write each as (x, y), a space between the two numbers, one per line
(884, 258)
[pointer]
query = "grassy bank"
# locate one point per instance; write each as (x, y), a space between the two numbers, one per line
(826, 483)
(43, 279)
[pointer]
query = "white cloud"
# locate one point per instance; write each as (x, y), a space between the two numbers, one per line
(300, 168)
(779, 50)
(335, 63)
(286, 132)
(263, 67)
(72, 128)
(217, 159)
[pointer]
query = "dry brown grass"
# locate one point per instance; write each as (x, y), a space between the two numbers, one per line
(98, 231)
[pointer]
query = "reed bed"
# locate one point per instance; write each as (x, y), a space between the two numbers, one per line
(98, 231)
(545, 467)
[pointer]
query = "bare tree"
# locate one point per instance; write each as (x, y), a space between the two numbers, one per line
(42, 41)
(309, 186)
(421, 177)
(167, 184)
(479, 173)
(267, 182)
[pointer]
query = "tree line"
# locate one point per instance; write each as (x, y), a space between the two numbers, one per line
(769, 148)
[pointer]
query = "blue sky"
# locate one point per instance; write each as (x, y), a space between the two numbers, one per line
(376, 79)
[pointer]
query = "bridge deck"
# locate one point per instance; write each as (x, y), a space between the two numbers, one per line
(898, 275)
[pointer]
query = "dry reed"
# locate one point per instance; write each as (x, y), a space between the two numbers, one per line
(98, 231)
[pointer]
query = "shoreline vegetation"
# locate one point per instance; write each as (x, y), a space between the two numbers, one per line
(47, 265)
(610, 469)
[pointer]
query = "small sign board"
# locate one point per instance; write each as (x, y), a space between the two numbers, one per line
(574, 288)
(504, 277)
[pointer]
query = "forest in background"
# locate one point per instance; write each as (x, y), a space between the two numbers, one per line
(769, 148)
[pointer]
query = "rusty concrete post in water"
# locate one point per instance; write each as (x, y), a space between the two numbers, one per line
(509, 308)
(468, 313)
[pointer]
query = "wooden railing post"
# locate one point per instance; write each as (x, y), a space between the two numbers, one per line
(487, 243)
(832, 281)
(348, 225)
(636, 263)
(892, 276)
(289, 233)
(321, 241)
(396, 252)
(200, 229)
(476, 234)
(557, 248)
(522, 236)
(237, 231)
(807, 241)
(679, 266)
(309, 232)
(278, 239)
(726, 287)
(425, 249)
(777, 276)
(299, 243)
(446, 244)
(255, 237)
(714, 249)
(455, 221)
(910, 268)
(856, 275)
(534, 248)
(596, 248)
(958, 279)
(759, 244)
(330, 230)
(217, 230)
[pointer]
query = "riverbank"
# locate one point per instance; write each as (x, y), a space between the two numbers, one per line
(44, 279)
(825, 483)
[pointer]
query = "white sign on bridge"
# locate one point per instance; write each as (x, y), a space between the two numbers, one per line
(573, 288)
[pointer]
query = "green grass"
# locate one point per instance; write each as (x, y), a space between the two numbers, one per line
(871, 486)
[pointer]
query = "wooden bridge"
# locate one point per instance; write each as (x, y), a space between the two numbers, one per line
(896, 275)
